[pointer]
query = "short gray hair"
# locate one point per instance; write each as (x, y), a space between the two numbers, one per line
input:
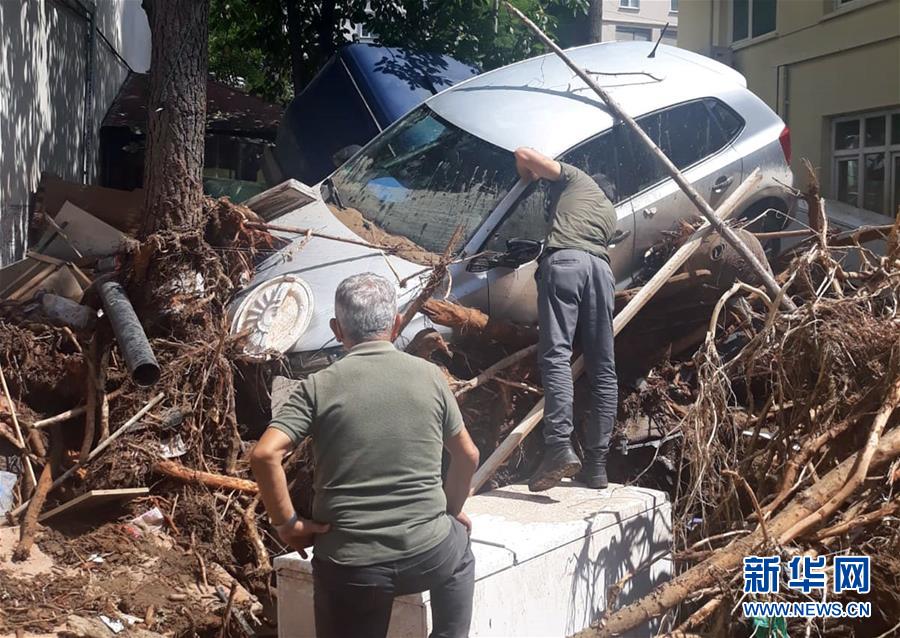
(365, 305)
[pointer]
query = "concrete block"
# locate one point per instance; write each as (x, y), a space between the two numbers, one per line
(544, 562)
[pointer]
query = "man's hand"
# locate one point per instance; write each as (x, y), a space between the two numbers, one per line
(465, 520)
(301, 534)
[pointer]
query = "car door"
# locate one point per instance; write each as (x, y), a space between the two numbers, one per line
(512, 291)
(698, 141)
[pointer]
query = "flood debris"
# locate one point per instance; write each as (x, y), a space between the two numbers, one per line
(771, 429)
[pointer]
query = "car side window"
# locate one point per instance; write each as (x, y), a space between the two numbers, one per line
(600, 157)
(687, 134)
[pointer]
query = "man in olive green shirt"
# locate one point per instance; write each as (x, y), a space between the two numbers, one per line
(383, 523)
(575, 292)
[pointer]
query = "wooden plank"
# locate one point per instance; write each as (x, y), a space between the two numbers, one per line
(16, 274)
(95, 498)
(32, 283)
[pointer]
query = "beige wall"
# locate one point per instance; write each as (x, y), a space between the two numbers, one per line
(652, 14)
(819, 63)
(44, 62)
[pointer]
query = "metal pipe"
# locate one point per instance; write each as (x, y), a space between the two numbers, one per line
(131, 336)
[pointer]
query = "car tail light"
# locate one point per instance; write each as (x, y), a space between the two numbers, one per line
(785, 140)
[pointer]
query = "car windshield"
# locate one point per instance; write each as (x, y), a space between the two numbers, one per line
(419, 182)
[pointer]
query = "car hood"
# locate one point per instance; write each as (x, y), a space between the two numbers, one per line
(323, 263)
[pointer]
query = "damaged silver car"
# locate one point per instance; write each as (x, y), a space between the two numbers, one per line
(448, 165)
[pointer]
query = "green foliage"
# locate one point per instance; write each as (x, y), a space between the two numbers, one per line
(251, 41)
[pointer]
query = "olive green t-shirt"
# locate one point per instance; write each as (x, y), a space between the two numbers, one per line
(580, 214)
(378, 419)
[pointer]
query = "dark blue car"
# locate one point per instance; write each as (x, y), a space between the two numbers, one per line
(361, 91)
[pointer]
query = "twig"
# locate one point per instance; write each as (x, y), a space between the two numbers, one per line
(71, 414)
(740, 480)
(492, 371)
(861, 467)
(226, 617)
(29, 470)
(100, 448)
(311, 233)
(866, 519)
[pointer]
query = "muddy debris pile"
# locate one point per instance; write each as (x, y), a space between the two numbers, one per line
(125, 487)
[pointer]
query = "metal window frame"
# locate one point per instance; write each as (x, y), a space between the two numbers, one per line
(630, 4)
(889, 149)
(749, 37)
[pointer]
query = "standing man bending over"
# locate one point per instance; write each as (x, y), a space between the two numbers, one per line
(575, 290)
(383, 525)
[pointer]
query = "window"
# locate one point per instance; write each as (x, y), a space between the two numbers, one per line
(687, 134)
(866, 161)
(673, 6)
(422, 179)
(626, 34)
(671, 37)
(602, 158)
(630, 4)
(752, 18)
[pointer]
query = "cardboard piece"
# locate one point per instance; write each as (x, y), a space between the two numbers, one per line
(121, 209)
(92, 237)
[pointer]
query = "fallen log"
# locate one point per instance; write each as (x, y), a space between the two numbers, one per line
(178, 471)
(471, 320)
(723, 563)
(518, 434)
(29, 524)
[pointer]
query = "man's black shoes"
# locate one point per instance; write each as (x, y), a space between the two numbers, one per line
(593, 474)
(558, 463)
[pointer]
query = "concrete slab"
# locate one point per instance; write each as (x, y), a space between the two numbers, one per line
(544, 562)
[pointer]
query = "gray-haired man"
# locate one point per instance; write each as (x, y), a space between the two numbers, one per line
(383, 524)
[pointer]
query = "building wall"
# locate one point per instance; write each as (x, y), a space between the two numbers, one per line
(652, 14)
(50, 113)
(819, 63)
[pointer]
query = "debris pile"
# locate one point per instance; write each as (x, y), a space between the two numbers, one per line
(127, 478)
(789, 447)
(130, 492)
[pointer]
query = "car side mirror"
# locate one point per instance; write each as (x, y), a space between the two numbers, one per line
(518, 252)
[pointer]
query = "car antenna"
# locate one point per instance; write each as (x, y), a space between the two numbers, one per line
(656, 46)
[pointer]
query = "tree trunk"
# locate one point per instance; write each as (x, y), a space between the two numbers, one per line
(295, 42)
(173, 163)
(326, 29)
(595, 21)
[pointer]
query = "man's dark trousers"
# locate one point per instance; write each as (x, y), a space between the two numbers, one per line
(356, 602)
(576, 291)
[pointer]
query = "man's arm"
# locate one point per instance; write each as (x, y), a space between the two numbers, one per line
(265, 461)
(532, 165)
(463, 463)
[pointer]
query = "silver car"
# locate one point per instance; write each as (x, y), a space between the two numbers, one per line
(448, 165)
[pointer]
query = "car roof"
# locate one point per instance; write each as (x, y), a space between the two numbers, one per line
(541, 103)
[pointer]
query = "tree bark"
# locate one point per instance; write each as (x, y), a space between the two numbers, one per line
(173, 163)
(295, 42)
(595, 21)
